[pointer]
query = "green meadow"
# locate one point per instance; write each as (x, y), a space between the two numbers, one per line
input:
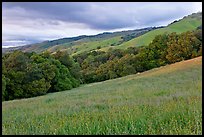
(165, 100)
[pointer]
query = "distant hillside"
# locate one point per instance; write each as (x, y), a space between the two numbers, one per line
(114, 38)
(188, 23)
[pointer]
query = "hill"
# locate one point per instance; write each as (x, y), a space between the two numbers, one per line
(165, 100)
(114, 38)
(188, 23)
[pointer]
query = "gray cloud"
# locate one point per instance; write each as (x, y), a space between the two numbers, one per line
(101, 15)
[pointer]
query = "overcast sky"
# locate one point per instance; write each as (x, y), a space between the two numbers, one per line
(30, 22)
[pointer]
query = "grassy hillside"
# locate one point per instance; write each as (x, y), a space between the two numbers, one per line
(98, 41)
(86, 46)
(166, 100)
(186, 24)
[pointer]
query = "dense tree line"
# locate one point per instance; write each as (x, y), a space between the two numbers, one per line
(30, 74)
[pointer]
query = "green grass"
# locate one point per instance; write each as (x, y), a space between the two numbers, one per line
(166, 100)
(183, 25)
(94, 44)
(81, 46)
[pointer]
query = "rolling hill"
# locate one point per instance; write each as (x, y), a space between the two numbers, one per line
(188, 23)
(114, 38)
(165, 100)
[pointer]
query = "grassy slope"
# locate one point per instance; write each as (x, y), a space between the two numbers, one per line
(166, 100)
(183, 25)
(86, 46)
